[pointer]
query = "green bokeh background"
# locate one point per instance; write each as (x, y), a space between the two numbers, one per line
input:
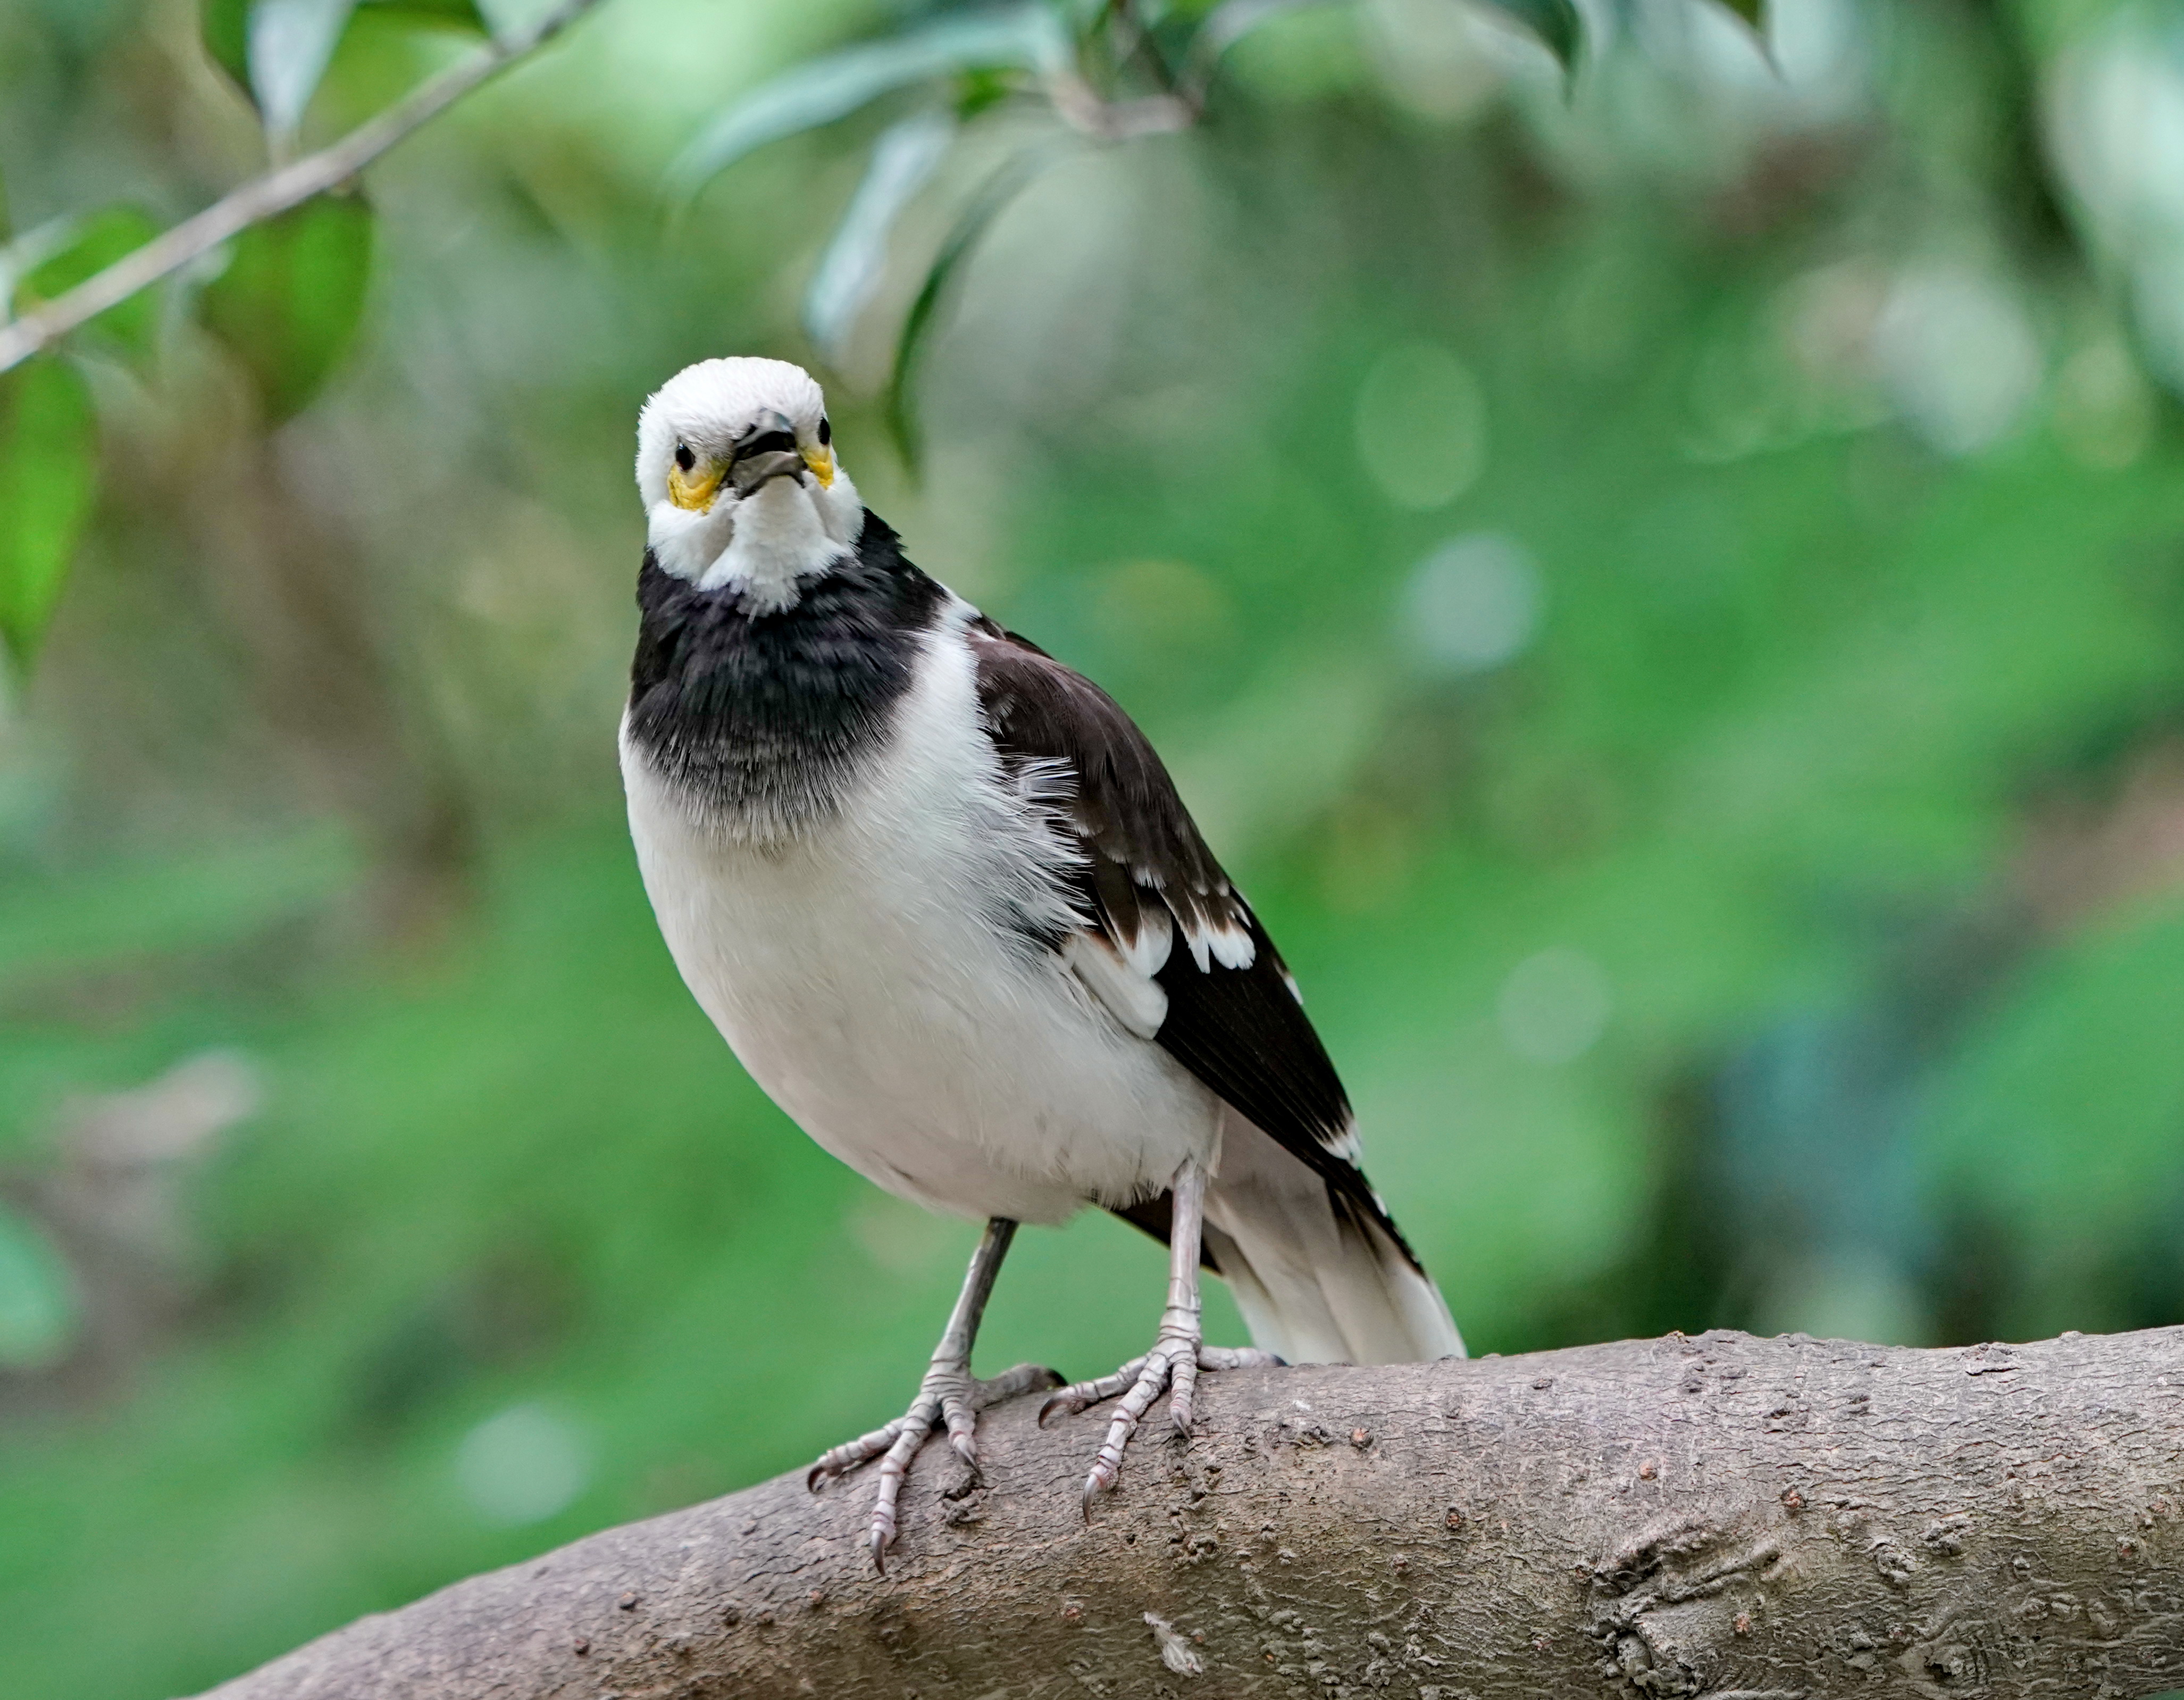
(1783, 927)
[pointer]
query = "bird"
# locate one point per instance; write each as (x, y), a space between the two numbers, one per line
(941, 897)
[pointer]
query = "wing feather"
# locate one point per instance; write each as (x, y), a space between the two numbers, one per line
(1223, 1005)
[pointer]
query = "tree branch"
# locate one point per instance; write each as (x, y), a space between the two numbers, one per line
(1755, 1519)
(276, 192)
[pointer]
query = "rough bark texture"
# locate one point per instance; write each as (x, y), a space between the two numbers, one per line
(1755, 1519)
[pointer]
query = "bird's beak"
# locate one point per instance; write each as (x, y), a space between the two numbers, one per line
(751, 471)
(767, 451)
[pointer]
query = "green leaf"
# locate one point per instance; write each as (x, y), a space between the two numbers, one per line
(998, 191)
(92, 245)
(48, 470)
(1028, 36)
(290, 42)
(224, 27)
(443, 14)
(977, 90)
(288, 304)
(1751, 11)
(1556, 22)
(903, 160)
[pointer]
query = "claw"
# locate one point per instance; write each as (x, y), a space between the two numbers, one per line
(949, 1398)
(1182, 1387)
(842, 1459)
(1173, 1366)
(1082, 1396)
(1179, 1352)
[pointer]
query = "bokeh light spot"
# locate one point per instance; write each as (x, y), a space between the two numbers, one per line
(1161, 604)
(1422, 425)
(1554, 1006)
(1957, 355)
(38, 1309)
(1473, 603)
(523, 1464)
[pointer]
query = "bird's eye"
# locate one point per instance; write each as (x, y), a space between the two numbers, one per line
(826, 432)
(684, 457)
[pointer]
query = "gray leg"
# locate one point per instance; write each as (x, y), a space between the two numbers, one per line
(1179, 1353)
(950, 1395)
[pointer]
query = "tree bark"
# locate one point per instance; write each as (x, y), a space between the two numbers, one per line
(1754, 1519)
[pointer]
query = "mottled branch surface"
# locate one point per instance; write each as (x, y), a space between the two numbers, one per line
(1755, 1519)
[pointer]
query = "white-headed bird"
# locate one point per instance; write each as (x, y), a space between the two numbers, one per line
(940, 894)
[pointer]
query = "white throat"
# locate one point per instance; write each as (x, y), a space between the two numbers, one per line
(764, 546)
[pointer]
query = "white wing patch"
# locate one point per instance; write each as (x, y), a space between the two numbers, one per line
(1121, 972)
(1227, 941)
(1148, 953)
(1131, 996)
(1231, 946)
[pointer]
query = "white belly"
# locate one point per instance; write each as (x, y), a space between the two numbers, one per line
(854, 971)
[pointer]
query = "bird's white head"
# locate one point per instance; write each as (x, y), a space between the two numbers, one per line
(735, 460)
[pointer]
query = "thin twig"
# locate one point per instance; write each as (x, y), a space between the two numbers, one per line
(276, 192)
(1183, 101)
(1133, 39)
(1079, 105)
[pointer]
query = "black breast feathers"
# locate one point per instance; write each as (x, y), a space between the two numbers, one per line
(763, 717)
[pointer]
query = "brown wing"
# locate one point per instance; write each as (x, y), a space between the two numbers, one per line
(1161, 903)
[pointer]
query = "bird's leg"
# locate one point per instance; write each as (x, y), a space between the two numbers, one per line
(949, 1394)
(1179, 1353)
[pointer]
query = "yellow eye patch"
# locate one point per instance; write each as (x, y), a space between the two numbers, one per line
(695, 488)
(821, 461)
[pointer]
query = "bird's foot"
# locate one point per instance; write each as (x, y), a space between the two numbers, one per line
(1173, 1366)
(951, 1396)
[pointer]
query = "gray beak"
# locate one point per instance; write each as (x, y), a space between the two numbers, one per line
(751, 471)
(767, 450)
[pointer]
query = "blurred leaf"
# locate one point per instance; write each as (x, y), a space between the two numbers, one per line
(1232, 20)
(290, 44)
(998, 191)
(903, 160)
(225, 27)
(288, 304)
(1555, 22)
(1028, 36)
(92, 245)
(39, 1310)
(7, 228)
(1749, 10)
(49, 467)
(447, 14)
(977, 90)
